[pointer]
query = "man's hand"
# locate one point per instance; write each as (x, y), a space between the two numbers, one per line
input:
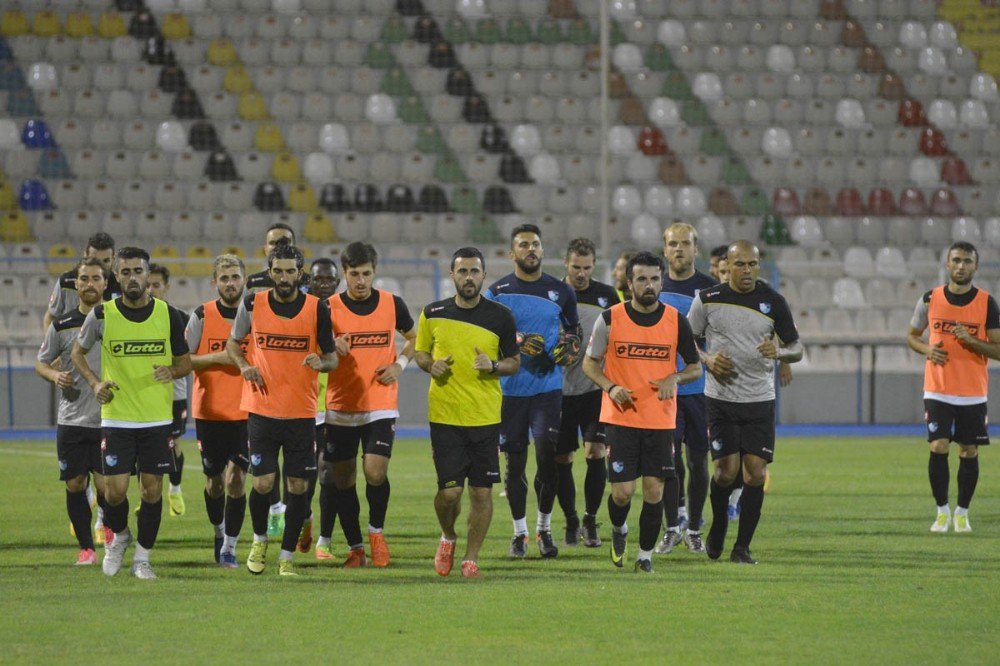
(163, 374)
(388, 374)
(342, 345)
(937, 355)
(721, 367)
(105, 391)
(621, 396)
(442, 367)
(768, 349)
(964, 337)
(567, 350)
(531, 344)
(482, 362)
(665, 388)
(252, 375)
(784, 374)
(314, 362)
(64, 380)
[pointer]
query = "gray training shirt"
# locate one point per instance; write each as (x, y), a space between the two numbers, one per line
(78, 405)
(590, 303)
(736, 323)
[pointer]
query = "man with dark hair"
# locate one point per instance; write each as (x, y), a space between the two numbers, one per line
(290, 342)
(64, 295)
(581, 402)
(639, 343)
(142, 351)
(78, 430)
(159, 287)
(618, 275)
(715, 257)
(747, 327)
(215, 400)
(362, 400)
(680, 286)
(323, 282)
(549, 337)
(466, 344)
(964, 333)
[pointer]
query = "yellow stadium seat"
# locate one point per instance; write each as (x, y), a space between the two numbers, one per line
(176, 26)
(199, 262)
(46, 24)
(222, 53)
(167, 255)
(61, 258)
(79, 24)
(111, 25)
(13, 23)
(319, 229)
(14, 228)
(268, 138)
(252, 107)
(238, 250)
(302, 199)
(237, 80)
(285, 169)
(8, 198)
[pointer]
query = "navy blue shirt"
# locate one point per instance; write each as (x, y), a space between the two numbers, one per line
(680, 294)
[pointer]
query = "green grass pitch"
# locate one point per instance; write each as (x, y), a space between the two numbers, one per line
(849, 574)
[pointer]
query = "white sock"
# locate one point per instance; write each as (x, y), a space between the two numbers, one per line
(620, 530)
(544, 523)
(447, 540)
(521, 527)
(682, 513)
(285, 555)
(944, 508)
(734, 497)
(959, 511)
(260, 538)
(91, 497)
(644, 555)
(141, 554)
(276, 508)
(220, 530)
(675, 528)
(374, 530)
(174, 489)
(690, 531)
(229, 543)
(323, 542)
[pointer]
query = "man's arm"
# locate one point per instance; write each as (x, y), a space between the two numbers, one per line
(387, 374)
(990, 348)
(915, 336)
(193, 332)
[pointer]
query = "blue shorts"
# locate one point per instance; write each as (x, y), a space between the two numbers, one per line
(692, 422)
(534, 416)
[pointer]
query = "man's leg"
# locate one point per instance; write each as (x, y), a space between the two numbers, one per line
(754, 473)
(177, 429)
(377, 491)
(568, 442)
(619, 503)
(235, 511)
(593, 489)
(264, 436)
(544, 422)
(968, 477)
(215, 508)
(306, 536)
(260, 504)
(649, 520)
(78, 510)
(723, 479)
(150, 514)
(327, 510)
(938, 473)
(480, 515)
(344, 442)
(300, 465)
(514, 434)
(295, 514)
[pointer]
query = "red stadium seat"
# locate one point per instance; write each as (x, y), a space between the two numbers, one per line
(881, 202)
(652, 142)
(849, 202)
(911, 113)
(944, 203)
(954, 172)
(785, 201)
(933, 143)
(912, 202)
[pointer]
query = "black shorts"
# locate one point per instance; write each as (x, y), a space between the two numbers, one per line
(741, 427)
(580, 418)
(145, 450)
(466, 452)
(692, 423)
(320, 440)
(295, 438)
(536, 416)
(635, 452)
(342, 442)
(220, 443)
(962, 424)
(180, 424)
(79, 451)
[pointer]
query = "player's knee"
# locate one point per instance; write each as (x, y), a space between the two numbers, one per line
(376, 471)
(480, 498)
(214, 486)
(939, 446)
(596, 451)
(325, 474)
(724, 476)
(621, 495)
(236, 484)
(564, 458)
(151, 489)
(297, 486)
(451, 495)
(263, 484)
(966, 451)
(77, 484)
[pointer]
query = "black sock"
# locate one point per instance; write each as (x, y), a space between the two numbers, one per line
(516, 483)
(378, 503)
(102, 503)
(175, 476)
(697, 488)
(593, 485)
(618, 514)
(566, 490)
(148, 522)
(78, 509)
(310, 493)
(260, 505)
(215, 507)
(937, 470)
(968, 477)
(236, 509)
(546, 481)
(671, 499)
(327, 509)
(679, 470)
(295, 515)
(116, 517)
(349, 509)
(720, 501)
(649, 525)
(752, 500)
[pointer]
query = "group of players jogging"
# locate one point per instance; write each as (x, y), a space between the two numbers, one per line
(284, 363)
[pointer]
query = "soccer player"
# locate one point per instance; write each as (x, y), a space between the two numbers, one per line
(64, 294)
(964, 333)
(715, 258)
(78, 430)
(639, 343)
(289, 343)
(680, 286)
(159, 287)
(747, 326)
(323, 282)
(220, 423)
(276, 234)
(466, 343)
(548, 330)
(618, 275)
(581, 403)
(362, 400)
(143, 351)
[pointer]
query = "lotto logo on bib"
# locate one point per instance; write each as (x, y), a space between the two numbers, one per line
(370, 339)
(216, 345)
(642, 351)
(289, 343)
(138, 347)
(948, 327)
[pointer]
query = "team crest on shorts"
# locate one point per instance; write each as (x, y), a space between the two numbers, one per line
(602, 301)
(932, 426)
(553, 295)
(503, 439)
(63, 464)
(255, 459)
(716, 445)
(618, 467)
(765, 308)
(205, 461)
(111, 460)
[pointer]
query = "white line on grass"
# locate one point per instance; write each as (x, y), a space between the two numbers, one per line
(24, 452)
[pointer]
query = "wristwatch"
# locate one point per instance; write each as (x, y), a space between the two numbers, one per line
(495, 366)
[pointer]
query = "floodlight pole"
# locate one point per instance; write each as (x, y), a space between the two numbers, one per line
(605, 42)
